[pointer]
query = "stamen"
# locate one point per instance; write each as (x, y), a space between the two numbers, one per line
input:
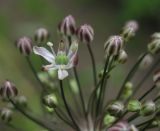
(50, 44)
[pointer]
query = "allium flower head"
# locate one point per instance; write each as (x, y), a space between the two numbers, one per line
(61, 61)
(41, 35)
(85, 33)
(67, 26)
(113, 45)
(25, 45)
(122, 126)
(8, 90)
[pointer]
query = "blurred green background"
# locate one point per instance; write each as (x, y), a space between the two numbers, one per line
(23, 17)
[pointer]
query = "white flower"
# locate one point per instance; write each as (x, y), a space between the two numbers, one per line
(61, 61)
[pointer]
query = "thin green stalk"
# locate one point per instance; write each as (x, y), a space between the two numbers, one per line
(32, 118)
(67, 107)
(101, 85)
(145, 94)
(147, 125)
(130, 74)
(93, 64)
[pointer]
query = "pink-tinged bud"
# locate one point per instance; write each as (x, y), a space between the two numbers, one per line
(85, 33)
(67, 26)
(8, 90)
(113, 45)
(156, 78)
(25, 45)
(120, 126)
(41, 35)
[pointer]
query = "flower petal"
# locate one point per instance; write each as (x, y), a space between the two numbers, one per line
(62, 74)
(44, 53)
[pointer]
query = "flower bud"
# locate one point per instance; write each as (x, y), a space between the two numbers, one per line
(122, 57)
(129, 30)
(85, 33)
(6, 114)
(8, 90)
(50, 101)
(21, 101)
(146, 62)
(67, 26)
(154, 45)
(115, 108)
(134, 106)
(113, 45)
(148, 108)
(156, 78)
(41, 35)
(109, 120)
(25, 45)
(127, 91)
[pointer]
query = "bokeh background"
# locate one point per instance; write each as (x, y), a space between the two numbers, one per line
(23, 17)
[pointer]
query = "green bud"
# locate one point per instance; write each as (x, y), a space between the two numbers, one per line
(50, 101)
(6, 114)
(134, 106)
(128, 90)
(109, 120)
(43, 76)
(74, 85)
(148, 108)
(115, 108)
(21, 101)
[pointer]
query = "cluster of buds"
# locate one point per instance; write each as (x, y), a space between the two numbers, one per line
(154, 45)
(113, 45)
(129, 30)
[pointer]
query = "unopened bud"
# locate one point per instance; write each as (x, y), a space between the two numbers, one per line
(6, 114)
(115, 108)
(50, 101)
(25, 45)
(148, 108)
(67, 26)
(133, 128)
(129, 30)
(156, 78)
(113, 45)
(134, 106)
(8, 90)
(85, 33)
(41, 35)
(120, 126)
(122, 57)
(146, 62)
(21, 101)
(109, 120)
(128, 90)
(154, 45)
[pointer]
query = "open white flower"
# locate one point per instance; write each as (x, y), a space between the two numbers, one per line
(63, 60)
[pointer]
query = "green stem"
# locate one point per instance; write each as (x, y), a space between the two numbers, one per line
(101, 85)
(93, 64)
(66, 106)
(130, 74)
(32, 118)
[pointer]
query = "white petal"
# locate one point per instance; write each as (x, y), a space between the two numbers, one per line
(62, 74)
(44, 53)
